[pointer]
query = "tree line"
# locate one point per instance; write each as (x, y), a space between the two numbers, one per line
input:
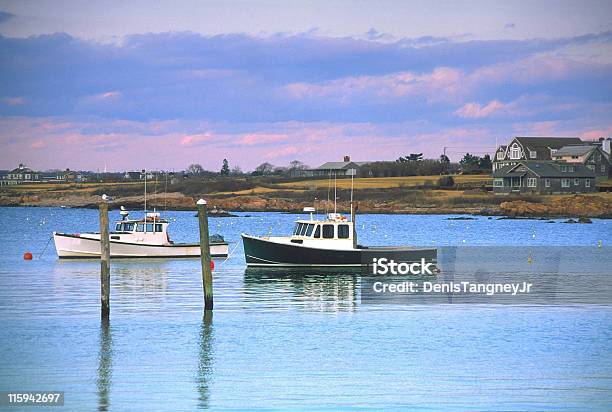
(412, 164)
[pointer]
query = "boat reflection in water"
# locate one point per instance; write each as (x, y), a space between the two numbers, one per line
(321, 289)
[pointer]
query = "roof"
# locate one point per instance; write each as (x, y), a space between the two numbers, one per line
(576, 150)
(338, 165)
(22, 170)
(546, 169)
(551, 142)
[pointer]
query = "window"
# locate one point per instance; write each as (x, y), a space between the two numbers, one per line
(547, 182)
(158, 227)
(140, 227)
(532, 154)
(515, 152)
(128, 227)
(603, 168)
(572, 168)
(318, 232)
(574, 157)
(328, 231)
(591, 167)
(553, 151)
(500, 155)
(343, 231)
(531, 182)
(498, 182)
(149, 227)
(564, 168)
(587, 182)
(118, 227)
(565, 183)
(576, 182)
(310, 229)
(303, 230)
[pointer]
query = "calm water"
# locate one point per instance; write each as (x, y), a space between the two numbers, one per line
(280, 341)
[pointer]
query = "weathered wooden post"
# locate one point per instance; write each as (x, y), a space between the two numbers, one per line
(104, 261)
(205, 256)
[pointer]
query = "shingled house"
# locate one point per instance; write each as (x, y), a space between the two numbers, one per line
(543, 177)
(593, 157)
(339, 169)
(21, 174)
(530, 148)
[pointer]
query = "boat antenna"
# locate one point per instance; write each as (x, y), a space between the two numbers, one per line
(145, 200)
(328, 190)
(335, 196)
(165, 191)
(352, 179)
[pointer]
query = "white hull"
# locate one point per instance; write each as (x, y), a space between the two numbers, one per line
(75, 246)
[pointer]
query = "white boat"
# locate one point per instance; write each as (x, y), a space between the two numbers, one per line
(141, 238)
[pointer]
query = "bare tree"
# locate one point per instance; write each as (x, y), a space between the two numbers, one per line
(195, 169)
(264, 169)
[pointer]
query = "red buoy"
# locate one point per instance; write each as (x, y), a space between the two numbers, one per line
(27, 256)
(212, 265)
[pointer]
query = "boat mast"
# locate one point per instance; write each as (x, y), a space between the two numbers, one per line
(335, 196)
(145, 202)
(352, 178)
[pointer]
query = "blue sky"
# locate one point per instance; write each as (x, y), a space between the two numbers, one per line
(171, 84)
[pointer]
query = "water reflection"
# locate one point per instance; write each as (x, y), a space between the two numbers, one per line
(105, 366)
(321, 289)
(205, 360)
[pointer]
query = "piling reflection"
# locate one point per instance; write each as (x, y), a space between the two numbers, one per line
(315, 289)
(105, 365)
(205, 360)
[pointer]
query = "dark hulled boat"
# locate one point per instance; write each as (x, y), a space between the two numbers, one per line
(331, 242)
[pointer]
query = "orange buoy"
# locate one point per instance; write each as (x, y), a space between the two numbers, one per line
(212, 265)
(27, 256)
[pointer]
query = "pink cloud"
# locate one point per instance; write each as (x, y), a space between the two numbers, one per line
(13, 101)
(262, 138)
(195, 139)
(37, 145)
(476, 111)
(442, 83)
(282, 152)
(107, 95)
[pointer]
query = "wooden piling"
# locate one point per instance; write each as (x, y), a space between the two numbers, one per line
(205, 255)
(353, 213)
(104, 261)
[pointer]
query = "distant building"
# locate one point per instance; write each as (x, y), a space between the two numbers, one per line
(21, 174)
(543, 177)
(339, 169)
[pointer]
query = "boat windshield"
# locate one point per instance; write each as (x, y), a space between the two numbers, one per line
(303, 229)
(124, 227)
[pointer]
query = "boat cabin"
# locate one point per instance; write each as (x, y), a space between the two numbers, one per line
(152, 229)
(323, 229)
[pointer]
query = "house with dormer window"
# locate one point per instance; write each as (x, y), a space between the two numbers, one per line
(530, 148)
(22, 174)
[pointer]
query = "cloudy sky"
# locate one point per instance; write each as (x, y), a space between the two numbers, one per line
(165, 84)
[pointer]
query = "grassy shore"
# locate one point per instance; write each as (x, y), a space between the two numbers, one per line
(412, 194)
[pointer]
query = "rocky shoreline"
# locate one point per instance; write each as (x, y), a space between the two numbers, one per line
(571, 206)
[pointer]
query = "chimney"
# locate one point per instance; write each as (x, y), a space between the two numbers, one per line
(347, 158)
